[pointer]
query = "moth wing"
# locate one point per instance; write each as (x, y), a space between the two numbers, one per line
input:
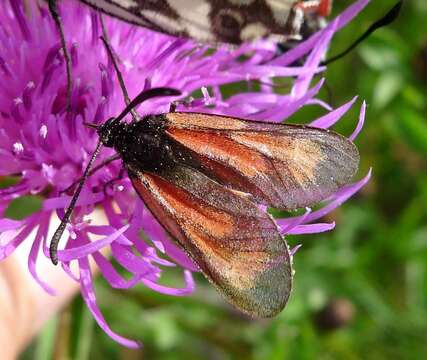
(283, 166)
(206, 21)
(236, 245)
(131, 12)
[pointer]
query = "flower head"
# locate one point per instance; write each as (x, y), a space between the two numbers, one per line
(48, 148)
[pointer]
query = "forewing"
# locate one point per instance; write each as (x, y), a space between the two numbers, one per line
(205, 20)
(235, 244)
(283, 166)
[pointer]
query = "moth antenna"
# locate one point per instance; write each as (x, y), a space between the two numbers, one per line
(57, 19)
(106, 40)
(145, 95)
(142, 96)
(94, 170)
(387, 19)
(92, 126)
(53, 248)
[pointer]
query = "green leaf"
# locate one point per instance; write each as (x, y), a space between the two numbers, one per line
(23, 206)
(45, 343)
(413, 128)
(389, 84)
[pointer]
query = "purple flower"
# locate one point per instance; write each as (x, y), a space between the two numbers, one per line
(49, 148)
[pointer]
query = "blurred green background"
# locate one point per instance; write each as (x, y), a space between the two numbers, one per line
(360, 290)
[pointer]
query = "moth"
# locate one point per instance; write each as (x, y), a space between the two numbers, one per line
(204, 178)
(211, 21)
(228, 21)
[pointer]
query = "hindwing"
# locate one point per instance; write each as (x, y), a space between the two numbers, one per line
(235, 244)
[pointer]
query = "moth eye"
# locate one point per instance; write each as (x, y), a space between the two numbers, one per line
(227, 23)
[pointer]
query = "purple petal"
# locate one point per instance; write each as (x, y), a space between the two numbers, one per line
(321, 103)
(108, 230)
(12, 192)
(88, 294)
(341, 196)
(278, 114)
(360, 123)
(21, 19)
(293, 251)
(87, 249)
(150, 253)
(334, 116)
(299, 51)
(32, 258)
(67, 268)
(303, 82)
(285, 225)
(66, 265)
(16, 240)
(188, 289)
(112, 276)
(9, 224)
(87, 198)
(131, 262)
(311, 228)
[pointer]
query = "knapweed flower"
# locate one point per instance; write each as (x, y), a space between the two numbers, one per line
(47, 148)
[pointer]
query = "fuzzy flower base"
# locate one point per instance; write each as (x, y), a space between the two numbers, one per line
(48, 148)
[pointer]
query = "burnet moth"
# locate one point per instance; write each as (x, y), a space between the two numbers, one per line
(204, 177)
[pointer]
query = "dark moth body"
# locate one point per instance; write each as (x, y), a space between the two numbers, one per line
(204, 176)
(143, 145)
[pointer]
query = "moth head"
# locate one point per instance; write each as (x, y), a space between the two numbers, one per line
(106, 132)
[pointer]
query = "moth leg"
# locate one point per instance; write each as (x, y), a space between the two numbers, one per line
(53, 248)
(92, 171)
(319, 7)
(324, 8)
(53, 8)
(112, 181)
(175, 103)
(172, 108)
(300, 9)
(114, 59)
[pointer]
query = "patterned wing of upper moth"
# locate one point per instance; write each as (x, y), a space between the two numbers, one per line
(211, 21)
